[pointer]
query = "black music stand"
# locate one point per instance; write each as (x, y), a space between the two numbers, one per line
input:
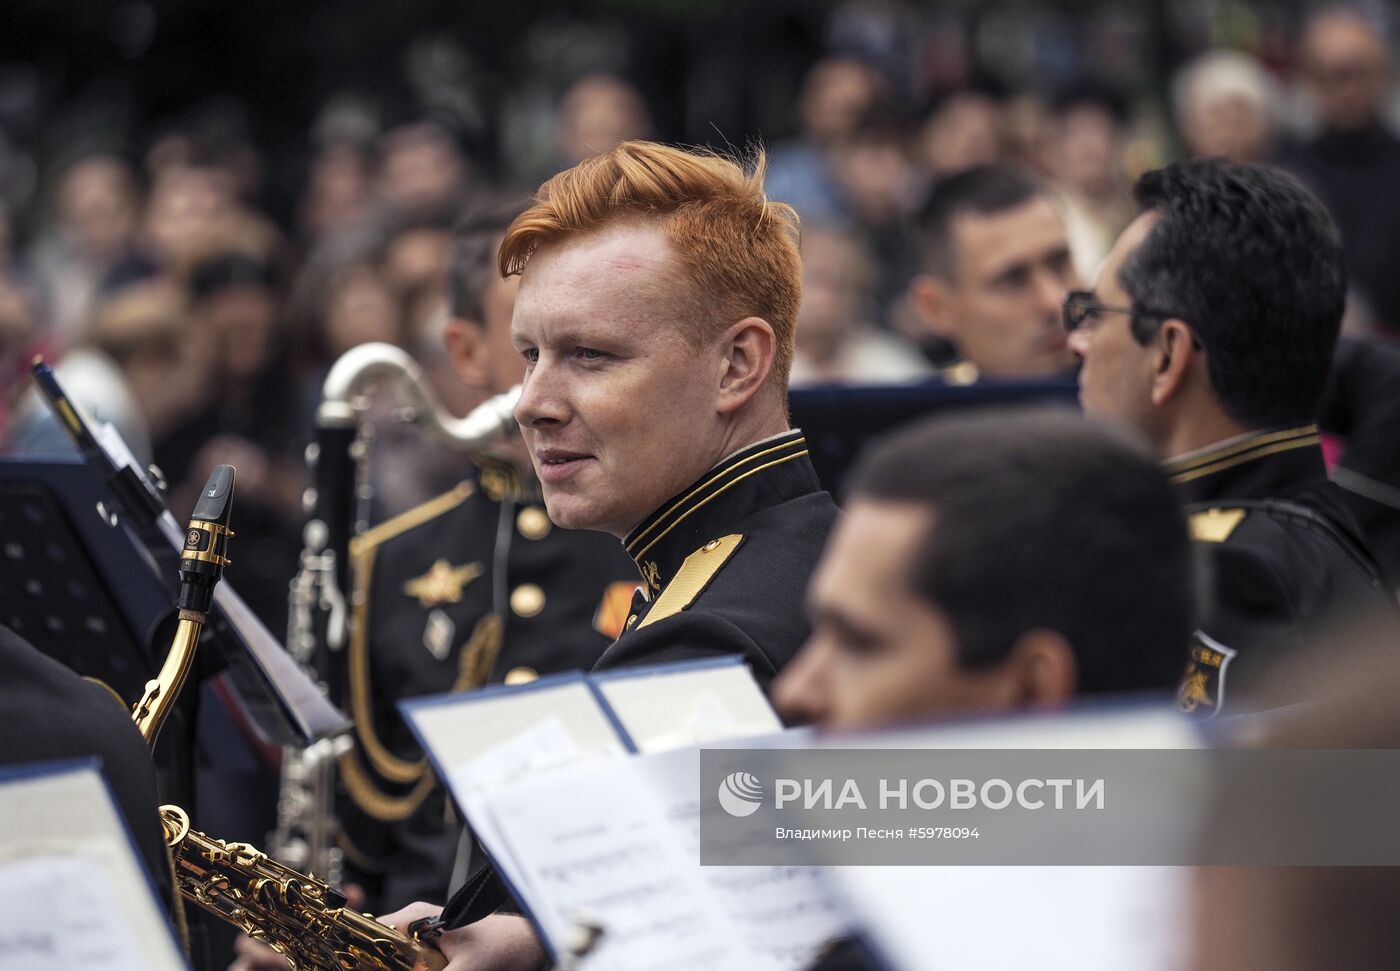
(839, 420)
(72, 585)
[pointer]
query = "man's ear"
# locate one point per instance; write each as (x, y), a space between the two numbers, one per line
(466, 350)
(932, 298)
(1041, 670)
(1177, 352)
(748, 360)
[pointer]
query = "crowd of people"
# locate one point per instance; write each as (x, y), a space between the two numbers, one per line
(1229, 508)
(200, 325)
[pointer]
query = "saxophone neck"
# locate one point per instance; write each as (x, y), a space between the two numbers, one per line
(202, 562)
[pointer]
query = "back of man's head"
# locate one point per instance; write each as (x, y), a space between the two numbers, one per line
(474, 265)
(1042, 520)
(986, 190)
(1251, 260)
(737, 252)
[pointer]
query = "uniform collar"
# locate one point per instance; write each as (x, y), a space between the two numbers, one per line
(501, 480)
(1263, 463)
(761, 475)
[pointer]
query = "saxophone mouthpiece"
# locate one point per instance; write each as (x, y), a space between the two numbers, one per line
(205, 554)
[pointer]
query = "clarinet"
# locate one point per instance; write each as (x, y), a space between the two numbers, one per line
(305, 836)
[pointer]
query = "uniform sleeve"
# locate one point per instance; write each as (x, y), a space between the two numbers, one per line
(1252, 614)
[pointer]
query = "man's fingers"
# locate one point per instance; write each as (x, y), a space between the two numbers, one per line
(400, 919)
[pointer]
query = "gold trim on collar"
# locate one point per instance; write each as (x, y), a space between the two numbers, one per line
(1188, 463)
(711, 498)
(1243, 457)
(792, 438)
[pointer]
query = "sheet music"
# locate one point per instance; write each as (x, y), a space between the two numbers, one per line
(672, 706)
(483, 739)
(60, 912)
(578, 828)
(631, 832)
(72, 891)
(597, 846)
(1012, 918)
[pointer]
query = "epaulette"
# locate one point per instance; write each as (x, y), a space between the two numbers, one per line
(693, 577)
(416, 516)
(1215, 525)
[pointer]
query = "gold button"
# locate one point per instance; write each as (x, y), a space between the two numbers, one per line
(521, 675)
(533, 523)
(712, 544)
(527, 600)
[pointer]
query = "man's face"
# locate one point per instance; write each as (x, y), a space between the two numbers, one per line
(1116, 377)
(879, 654)
(618, 408)
(1011, 271)
(1348, 67)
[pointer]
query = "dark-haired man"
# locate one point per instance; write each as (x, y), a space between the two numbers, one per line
(995, 562)
(1210, 329)
(996, 265)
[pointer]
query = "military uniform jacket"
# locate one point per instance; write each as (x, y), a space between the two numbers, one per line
(725, 563)
(725, 566)
(1286, 562)
(473, 587)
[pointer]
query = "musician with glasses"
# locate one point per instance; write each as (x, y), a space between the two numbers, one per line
(1210, 329)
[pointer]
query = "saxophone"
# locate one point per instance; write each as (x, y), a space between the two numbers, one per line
(299, 916)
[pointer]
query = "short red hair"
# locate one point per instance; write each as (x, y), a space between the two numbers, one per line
(738, 248)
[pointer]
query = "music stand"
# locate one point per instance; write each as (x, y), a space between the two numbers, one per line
(70, 584)
(839, 420)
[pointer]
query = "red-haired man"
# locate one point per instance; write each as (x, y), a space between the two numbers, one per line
(656, 311)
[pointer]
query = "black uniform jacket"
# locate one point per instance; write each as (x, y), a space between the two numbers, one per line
(50, 713)
(726, 564)
(1287, 563)
(473, 587)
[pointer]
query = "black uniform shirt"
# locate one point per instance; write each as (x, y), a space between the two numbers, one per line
(1287, 564)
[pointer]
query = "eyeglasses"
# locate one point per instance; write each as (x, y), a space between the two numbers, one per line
(1080, 306)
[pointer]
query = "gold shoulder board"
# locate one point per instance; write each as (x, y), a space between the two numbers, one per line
(1215, 525)
(694, 576)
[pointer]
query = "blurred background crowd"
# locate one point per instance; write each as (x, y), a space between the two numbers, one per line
(204, 204)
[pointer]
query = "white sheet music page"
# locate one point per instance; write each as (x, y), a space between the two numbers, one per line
(482, 740)
(597, 847)
(72, 891)
(671, 706)
(620, 844)
(1008, 918)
